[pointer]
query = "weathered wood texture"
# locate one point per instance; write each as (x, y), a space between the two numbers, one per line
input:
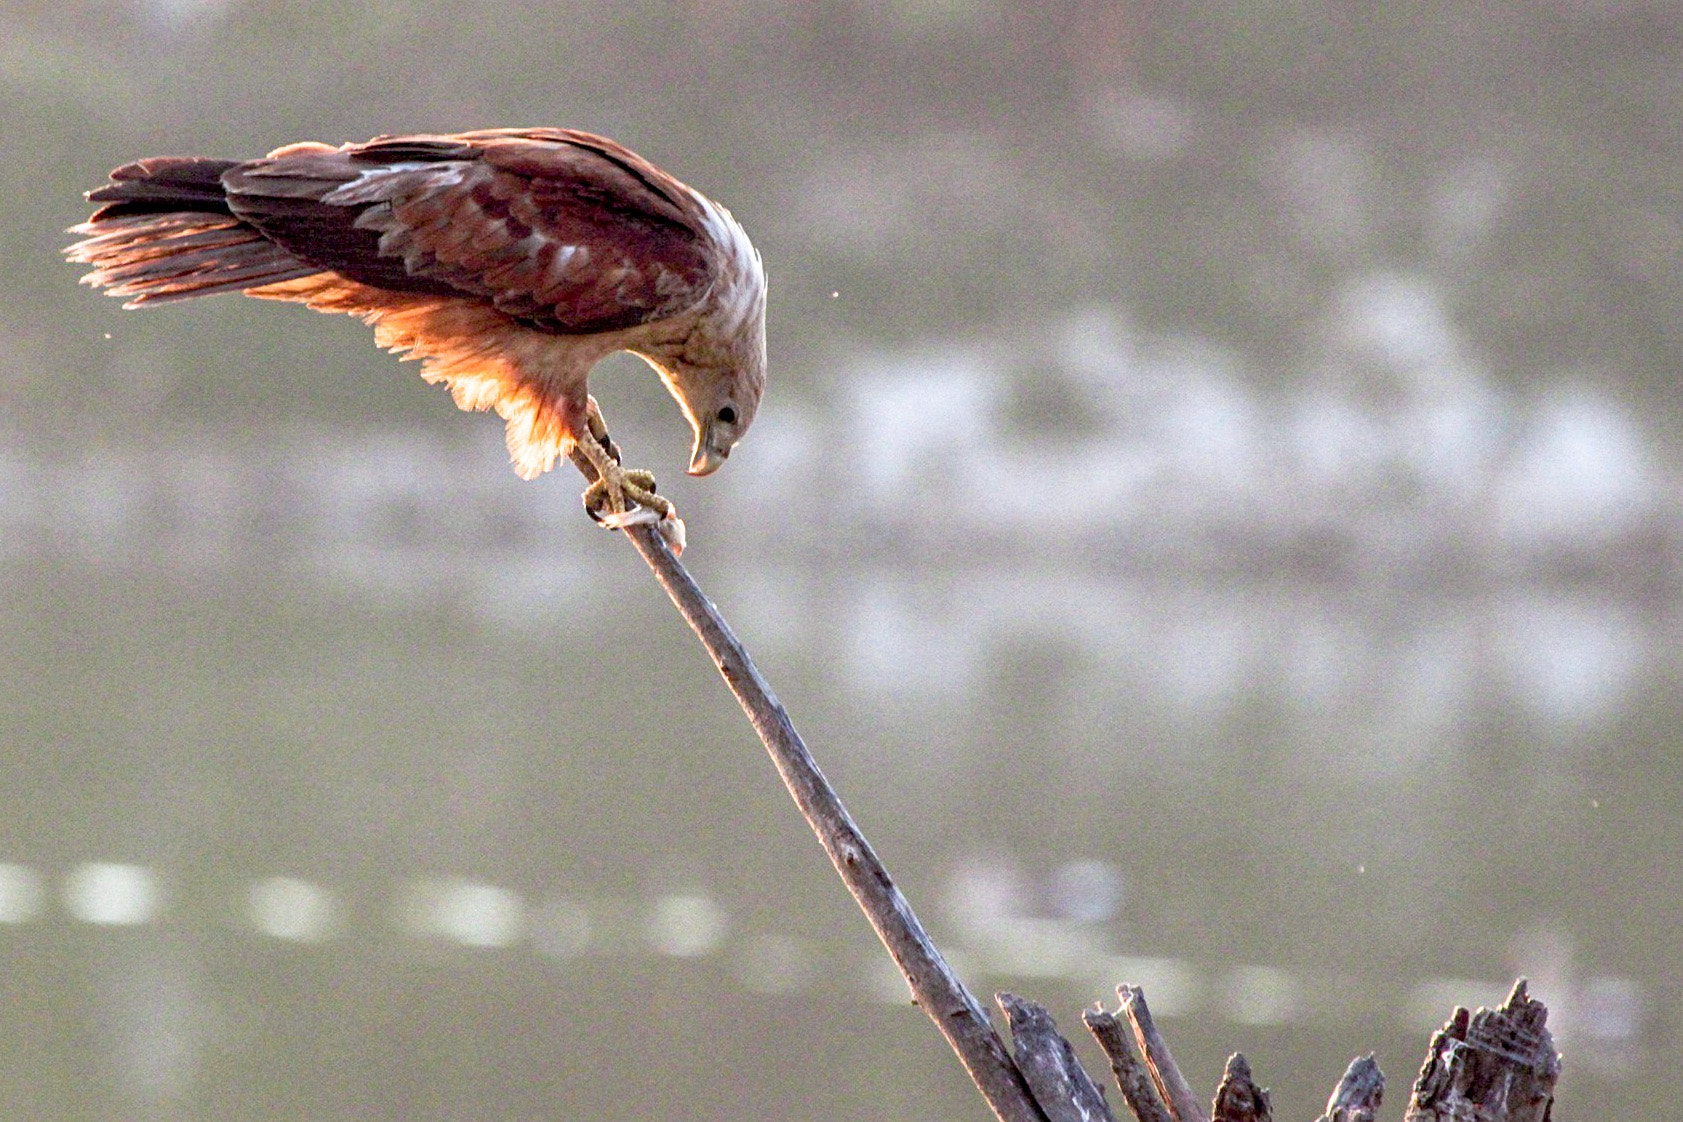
(1238, 1099)
(1172, 1086)
(1134, 1081)
(1492, 1064)
(1358, 1094)
(1060, 1084)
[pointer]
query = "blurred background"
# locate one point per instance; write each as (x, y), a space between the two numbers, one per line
(1217, 516)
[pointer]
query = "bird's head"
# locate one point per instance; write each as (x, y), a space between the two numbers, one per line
(719, 371)
(718, 383)
(720, 416)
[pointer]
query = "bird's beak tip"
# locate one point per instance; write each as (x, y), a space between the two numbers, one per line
(706, 461)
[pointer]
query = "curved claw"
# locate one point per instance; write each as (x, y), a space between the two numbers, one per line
(619, 520)
(671, 528)
(669, 525)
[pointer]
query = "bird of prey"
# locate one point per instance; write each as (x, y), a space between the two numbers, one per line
(508, 260)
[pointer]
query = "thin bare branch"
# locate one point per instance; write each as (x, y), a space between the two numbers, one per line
(1138, 1090)
(1171, 1084)
(1061, 1086)
(934, 986)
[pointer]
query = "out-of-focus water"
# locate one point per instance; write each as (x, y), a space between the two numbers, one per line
(1285, 707)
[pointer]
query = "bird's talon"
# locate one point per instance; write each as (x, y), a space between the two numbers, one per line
(636, 516)
(671, 528)
(596, 502)
(623, 497)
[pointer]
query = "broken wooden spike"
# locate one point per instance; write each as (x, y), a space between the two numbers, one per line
(1171, 1084)
(1134, 1081)
(1497, 1064)
(1060, 1084)
(1239, 1099)
(1358, 1094)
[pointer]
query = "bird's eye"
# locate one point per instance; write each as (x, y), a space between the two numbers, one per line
(727, 416)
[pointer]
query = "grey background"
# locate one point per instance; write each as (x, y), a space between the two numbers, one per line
(1216, 516)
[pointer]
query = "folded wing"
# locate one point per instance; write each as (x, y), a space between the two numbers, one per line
(564, 231)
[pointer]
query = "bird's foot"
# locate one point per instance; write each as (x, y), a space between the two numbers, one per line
(623, 497)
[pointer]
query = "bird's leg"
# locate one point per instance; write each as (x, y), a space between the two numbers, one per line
(597, 426)
(617, 488)
(623, 496)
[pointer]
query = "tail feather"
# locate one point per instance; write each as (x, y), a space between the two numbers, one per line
(166, 233)
(151, 238)
(163, 184)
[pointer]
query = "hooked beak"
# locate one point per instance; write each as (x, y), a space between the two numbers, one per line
(709, 455)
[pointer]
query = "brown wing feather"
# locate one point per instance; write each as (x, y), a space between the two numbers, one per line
(564, 231)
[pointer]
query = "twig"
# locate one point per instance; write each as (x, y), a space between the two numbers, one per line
(1171, 1084)
(1061, 1086)
(1131, 1077)
(958, 1015)
(1358, 1094)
